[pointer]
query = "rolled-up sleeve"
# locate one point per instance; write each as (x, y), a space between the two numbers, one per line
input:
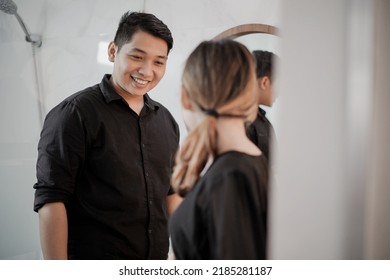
(61, 153)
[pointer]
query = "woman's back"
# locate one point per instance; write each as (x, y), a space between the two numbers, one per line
(224, 216)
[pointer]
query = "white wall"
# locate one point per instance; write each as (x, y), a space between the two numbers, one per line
(330, 198)
(308, 192)
(74, 33)
(20, 126)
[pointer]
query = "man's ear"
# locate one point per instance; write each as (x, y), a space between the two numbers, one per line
(185, 100)
(264, 83)
(111, 51)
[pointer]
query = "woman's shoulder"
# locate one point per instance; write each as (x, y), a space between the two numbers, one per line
(228, 167)
(235, 160)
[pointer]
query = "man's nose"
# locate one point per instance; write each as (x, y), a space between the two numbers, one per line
(146, 68)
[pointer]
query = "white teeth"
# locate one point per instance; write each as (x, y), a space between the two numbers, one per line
(139, 81)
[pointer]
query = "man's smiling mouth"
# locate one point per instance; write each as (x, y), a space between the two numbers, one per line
(140, 81)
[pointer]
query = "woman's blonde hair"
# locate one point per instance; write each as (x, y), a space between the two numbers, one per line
(216, 79)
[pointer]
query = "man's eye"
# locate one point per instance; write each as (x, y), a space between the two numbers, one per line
(135, 57)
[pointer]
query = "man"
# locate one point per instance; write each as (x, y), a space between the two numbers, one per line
(105, 157)
(261, 131)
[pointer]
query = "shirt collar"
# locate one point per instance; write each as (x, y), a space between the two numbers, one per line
(110, 94)
(263, 112)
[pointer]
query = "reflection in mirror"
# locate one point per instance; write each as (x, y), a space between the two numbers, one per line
(258, 37)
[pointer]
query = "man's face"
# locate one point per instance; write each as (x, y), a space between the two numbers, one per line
(139, 65)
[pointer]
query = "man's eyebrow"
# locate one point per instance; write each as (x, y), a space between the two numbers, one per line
(137, 50)
(142, 51)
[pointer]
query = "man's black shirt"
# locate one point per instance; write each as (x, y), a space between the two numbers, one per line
(111, 168)
(261, 133)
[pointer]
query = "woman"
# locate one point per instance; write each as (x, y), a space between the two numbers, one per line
(223, 215)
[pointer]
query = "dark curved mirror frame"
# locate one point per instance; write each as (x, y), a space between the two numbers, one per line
(245, 29)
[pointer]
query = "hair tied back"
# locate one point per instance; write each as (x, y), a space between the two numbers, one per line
(211, 112)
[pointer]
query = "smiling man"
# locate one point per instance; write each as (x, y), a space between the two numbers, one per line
(106, 154)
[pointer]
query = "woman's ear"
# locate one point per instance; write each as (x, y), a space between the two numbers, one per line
(111, 51)
(185, 100)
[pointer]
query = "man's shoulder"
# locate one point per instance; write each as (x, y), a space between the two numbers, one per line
(88, 93)
(79, 100)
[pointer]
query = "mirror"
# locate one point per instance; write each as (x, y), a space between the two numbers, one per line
(257, 37)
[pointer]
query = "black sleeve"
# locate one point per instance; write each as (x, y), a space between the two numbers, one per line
(173, 157)
(61, 153)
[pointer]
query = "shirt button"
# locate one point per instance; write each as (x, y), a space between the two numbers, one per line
(143, 145)
(147, 174)
(150, 202)
(150, 231)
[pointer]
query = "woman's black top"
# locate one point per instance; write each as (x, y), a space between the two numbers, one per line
(225, 215)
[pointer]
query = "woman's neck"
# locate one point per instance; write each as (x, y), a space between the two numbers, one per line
(232, 137)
